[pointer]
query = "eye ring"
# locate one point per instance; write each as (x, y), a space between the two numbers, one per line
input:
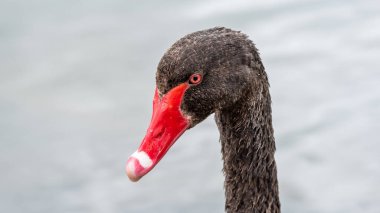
(195, 78)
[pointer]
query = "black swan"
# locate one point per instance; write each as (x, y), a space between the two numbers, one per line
(219, 71)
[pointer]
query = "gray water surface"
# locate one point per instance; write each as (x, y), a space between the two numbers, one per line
(77, 81)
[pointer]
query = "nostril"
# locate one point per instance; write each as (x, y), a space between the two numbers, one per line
(158, 133)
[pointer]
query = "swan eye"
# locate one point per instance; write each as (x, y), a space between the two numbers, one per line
(195, 78)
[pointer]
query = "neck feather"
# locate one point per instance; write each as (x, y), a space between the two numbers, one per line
(248, 148)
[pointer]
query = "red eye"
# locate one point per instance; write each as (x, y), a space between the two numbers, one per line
(195, 78)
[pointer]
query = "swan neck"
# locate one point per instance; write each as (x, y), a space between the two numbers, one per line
(248, 148)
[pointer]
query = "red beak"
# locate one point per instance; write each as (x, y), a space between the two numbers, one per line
(167, 125)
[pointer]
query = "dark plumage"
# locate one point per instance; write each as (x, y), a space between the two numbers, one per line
(234, 87)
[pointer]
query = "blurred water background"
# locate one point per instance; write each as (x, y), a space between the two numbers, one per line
(76, 87)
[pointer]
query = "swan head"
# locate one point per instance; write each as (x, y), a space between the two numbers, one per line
(201, 73)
